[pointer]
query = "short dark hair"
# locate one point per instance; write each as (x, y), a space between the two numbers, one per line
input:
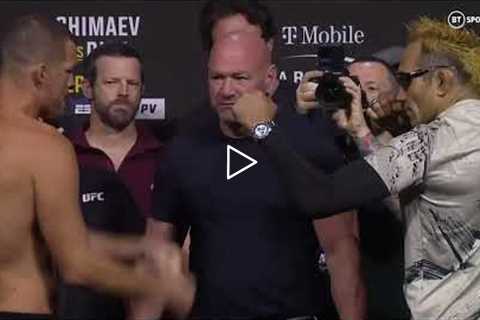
(374, 59)
(390, 69)
(32, 38)
(109, 49)
(256, 14)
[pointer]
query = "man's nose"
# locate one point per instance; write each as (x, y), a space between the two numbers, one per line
(227, 88)
(123, 89)
(401, 94)
(71, 83)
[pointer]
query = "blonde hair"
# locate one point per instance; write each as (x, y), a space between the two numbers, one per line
(460, 45)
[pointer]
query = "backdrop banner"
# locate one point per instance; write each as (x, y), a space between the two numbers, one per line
(166, 33)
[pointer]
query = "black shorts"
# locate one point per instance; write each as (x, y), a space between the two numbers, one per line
(24, 316)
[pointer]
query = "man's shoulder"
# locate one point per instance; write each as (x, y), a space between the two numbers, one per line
(51, 140)
(463, 118)
(32, 136)
(29, 149)
(184, 147)
(147, 136)
(197, 130)
(313, 123)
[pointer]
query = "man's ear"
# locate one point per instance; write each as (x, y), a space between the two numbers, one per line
(87, 88)
(39, 75)
(270, 45)
(444, 80)
(272, 80)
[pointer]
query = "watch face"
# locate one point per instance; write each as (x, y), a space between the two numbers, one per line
(261, 131)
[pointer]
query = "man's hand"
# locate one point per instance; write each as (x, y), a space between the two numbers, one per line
(354, 121)
(254, 107)
(166, 264)
(120, 247)
(180, 282)
(306, 100)
(388, 114)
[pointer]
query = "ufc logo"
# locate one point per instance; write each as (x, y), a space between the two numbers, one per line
(93, 196)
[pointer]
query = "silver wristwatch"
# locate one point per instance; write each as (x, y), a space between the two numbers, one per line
(262, 129)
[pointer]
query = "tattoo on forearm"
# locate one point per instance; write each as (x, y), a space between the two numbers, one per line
(368, 144)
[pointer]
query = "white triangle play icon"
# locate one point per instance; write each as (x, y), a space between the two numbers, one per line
(252, 162)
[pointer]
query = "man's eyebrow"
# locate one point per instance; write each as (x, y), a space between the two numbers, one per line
(372, 82)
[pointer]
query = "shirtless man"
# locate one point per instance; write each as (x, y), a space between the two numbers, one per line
(39, 207)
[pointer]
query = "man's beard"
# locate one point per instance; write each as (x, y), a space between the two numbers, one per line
(117, 119)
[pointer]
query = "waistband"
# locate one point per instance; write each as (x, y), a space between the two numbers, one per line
(24, 316)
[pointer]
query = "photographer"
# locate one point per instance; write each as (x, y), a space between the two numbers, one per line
(381, 230)
(376, 95)
(385, 115)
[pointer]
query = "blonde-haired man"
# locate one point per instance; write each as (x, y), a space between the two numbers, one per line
(435, 166)
(440, 75)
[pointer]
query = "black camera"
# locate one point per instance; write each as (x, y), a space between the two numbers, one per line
(330, 92)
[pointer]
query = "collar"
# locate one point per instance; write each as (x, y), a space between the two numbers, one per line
(146, 140)
(458, 106)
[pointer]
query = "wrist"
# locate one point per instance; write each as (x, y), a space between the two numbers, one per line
(364, 140)
(367, 144)
(361, 133)
(251, 123)
(183, 296)
(262, 129)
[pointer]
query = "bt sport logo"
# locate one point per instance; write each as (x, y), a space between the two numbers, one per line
(457, 19)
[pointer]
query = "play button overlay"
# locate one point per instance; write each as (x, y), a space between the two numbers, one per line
(235, 156)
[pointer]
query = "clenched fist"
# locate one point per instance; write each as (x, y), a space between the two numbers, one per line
(254, 107)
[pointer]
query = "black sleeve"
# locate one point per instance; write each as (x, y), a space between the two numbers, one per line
(166, 193)
(167, 204)
(314, 192)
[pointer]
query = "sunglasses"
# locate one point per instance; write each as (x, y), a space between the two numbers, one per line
(404, 79)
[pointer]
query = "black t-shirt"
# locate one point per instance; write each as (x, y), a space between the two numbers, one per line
(108, 206)
(253, 253)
